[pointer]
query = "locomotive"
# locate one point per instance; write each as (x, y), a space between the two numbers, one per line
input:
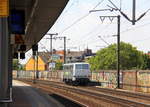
(76, 73)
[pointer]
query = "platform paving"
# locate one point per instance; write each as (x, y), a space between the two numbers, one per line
(26, 96)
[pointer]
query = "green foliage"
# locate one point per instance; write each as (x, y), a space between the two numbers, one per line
(146, 64)
(17, 65)
(130, 58)
(59, 65)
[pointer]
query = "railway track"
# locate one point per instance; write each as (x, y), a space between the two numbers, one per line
(135, 96)
(92, 96)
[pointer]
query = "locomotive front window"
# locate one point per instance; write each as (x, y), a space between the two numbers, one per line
(82, 66)
(78, 66)
(85, 66)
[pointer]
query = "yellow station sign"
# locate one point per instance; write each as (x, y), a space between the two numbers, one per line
(4, 8)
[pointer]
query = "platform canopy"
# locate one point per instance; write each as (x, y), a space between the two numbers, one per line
(40, 15)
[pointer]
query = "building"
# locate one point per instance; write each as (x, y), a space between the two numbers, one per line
(45, 61)
(78, 56)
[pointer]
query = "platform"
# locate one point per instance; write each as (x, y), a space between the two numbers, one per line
(26, 96)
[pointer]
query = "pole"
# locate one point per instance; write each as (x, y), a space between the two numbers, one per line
(34, 53)
(51, 53)
(64, 50)
(118, 48)
(64, 45)
(34, 70)
(133, 12)
(118, 51)
(51, 37)
(4, 60)
(37, 71)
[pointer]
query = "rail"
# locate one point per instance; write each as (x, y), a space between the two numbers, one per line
(92, 94)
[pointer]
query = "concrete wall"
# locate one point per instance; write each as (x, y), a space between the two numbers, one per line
(143, 81)
(107, 78)
(135, 80)
(129, 79)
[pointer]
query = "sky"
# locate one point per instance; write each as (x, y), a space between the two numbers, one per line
(83, 28)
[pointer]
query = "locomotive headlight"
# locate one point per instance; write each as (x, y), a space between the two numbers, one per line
(74, 78)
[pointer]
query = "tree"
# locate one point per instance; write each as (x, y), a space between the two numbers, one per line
(17, 65)
(59, 65)
(146, 65)
(130, 58)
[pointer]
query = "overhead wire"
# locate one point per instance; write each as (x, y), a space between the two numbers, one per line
(78, 20)
(98, 33)
(109, 24)
(98, 4)
(141, 40)
(120, 4)
(88, 36)
(93, 8)
(104, 40)
(102, 31)
(88, 15)
(72, 4)
(43, 47)
(81, 18)
(132, 28)
(144, 2)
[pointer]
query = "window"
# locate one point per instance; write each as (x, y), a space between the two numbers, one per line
(82, 66)
(85, 66)
(78, 66)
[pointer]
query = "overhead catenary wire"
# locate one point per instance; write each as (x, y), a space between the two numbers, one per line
(78, 20)
(132, 28)
(120, 4)
(142, 3)
(66, 10)
(81, 18)
(89, 36)
(101, 32)
(98, 4)
(43, 46)
(104, 40)
(94, 40)
(141, 40)
(125, 16)
(72, 4)
(137, 20)
(108, 36)
(123, 30)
